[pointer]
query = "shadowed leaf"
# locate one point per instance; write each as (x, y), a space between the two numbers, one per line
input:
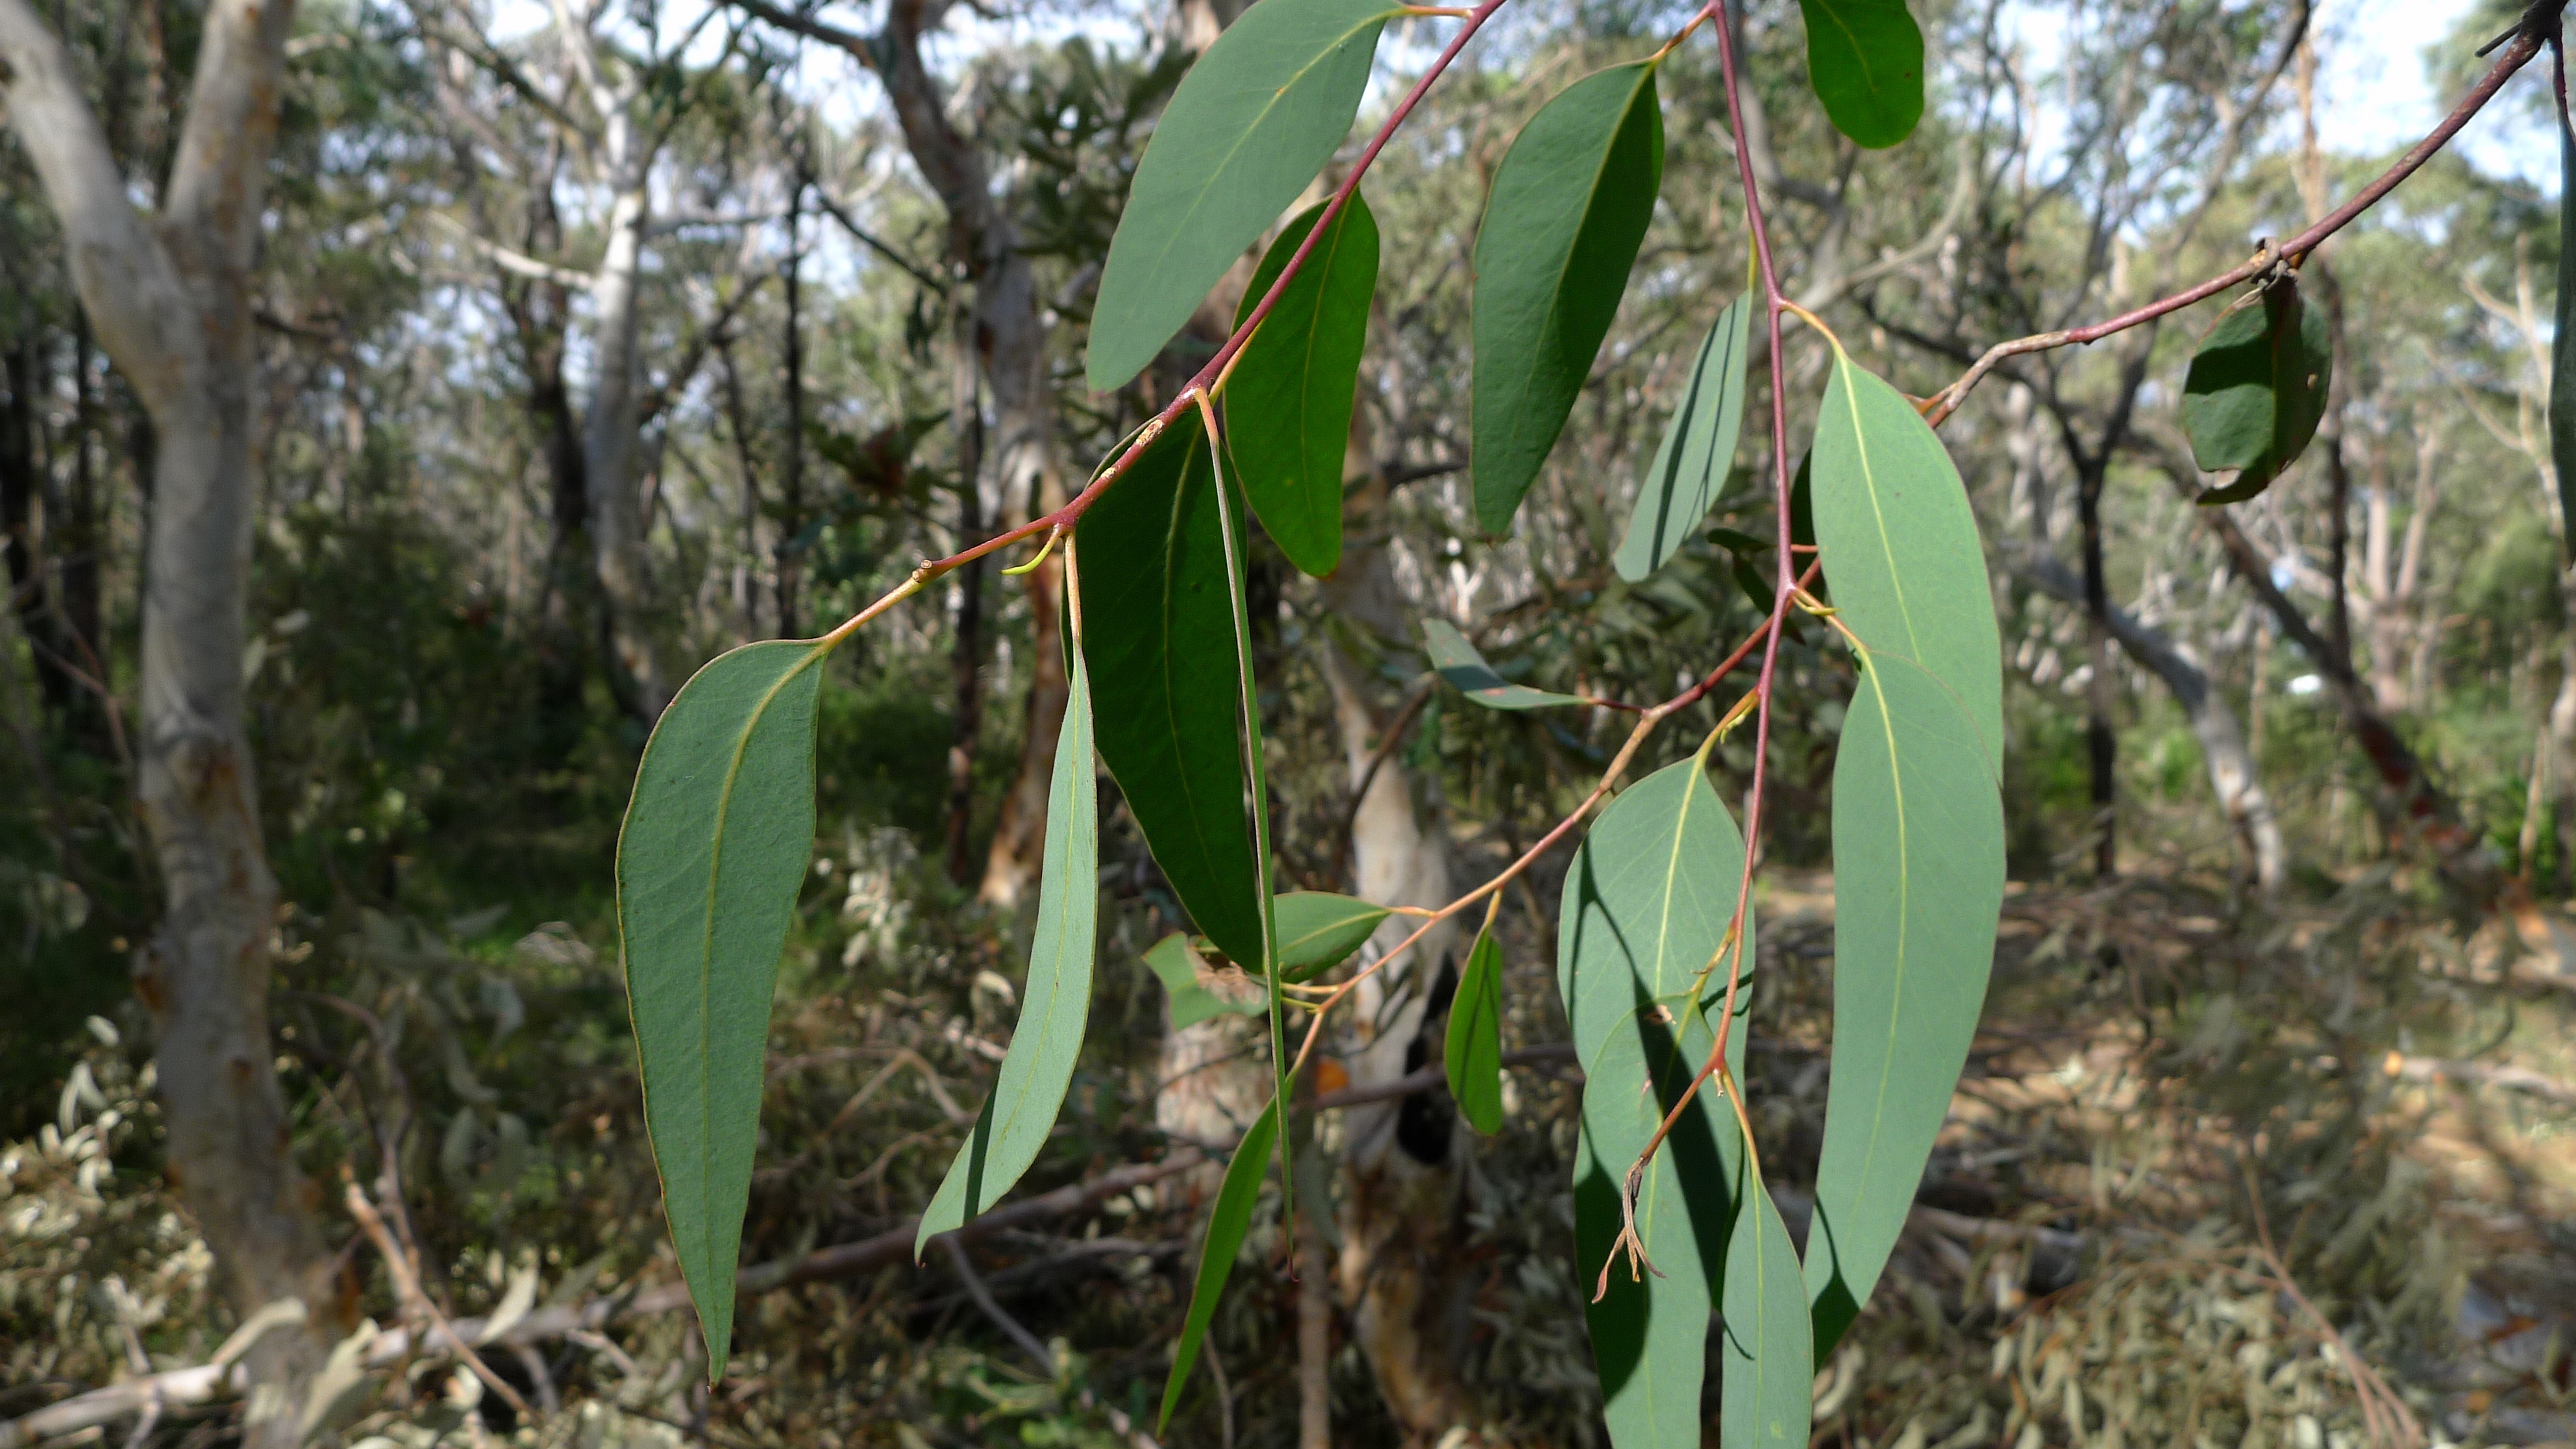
(1865, 60)
(1250, 125)
(1198, 990)
(2257, 390)
(1288, 405)
(1690, 466)
(1569, 206)
(1234, 1200)
(1767, 1358)
(1055, 1001)
(714, 847)
(1474, 1050)
(1467, 672)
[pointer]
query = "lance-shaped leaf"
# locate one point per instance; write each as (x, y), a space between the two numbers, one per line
(1250, 125)
(2257, 390)
(1569, 206)
(1699, 445)
(2562, 349)
(1865, 59)
(1055, 1000)
(1467, 672)
(1159, 637)
(714, 846)
(1767, 1358)
(1900, 543)
(1473, 1052)
(1918, 884)
(1647, 904)
(1198, 990)
(1319, 930)
(1288, 405)
(1234, 1201)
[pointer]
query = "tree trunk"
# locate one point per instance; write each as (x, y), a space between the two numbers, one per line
(2101, 737)
(967, 654)
(791, 474)
(171, 301)
(608, 448)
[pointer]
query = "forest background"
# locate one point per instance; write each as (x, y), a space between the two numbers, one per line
(587, 344)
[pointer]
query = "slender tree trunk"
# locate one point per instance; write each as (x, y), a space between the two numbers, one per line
(171, 300)
(791, 473)
(967, 658)
(22, 483)
(2101, 737)
(609, 425)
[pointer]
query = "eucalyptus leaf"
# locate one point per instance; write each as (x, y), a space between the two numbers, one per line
(1055, 999)
(1918, 839)
(1288, 405)
(1865, 60)
(1226, 1225)
(1900, 543)
(2257, 390)
(1254, 120)
(1473, 1051)
(1466, 670)
(1691, 464)
(714, 847)
(1767, 1357)
(1319, 930)
(2562, 349)
(1568, 209)
(1647, 903)
(1198, 990)
(1158, 635)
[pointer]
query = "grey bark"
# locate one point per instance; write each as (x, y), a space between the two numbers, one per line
(171, 299)
(2233, 776)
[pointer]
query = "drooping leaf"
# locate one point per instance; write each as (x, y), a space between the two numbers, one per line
(1233, 1214)
(1569, 206)
(1865, 59)
(1918, 885)
(1466, 670)
(1159, 638)
(1767, 1356)
(1199, 990)
(1250, 125)
(2257, 390)
(1900, 543)
(1319, 930)
(2562, 350)
(1288, 406)
(1055, 1000)
(1474, 1049)
(1699, 445)
(708, 864)
(1647, 903)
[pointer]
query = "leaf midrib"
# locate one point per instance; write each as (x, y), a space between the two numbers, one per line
(1877, 513)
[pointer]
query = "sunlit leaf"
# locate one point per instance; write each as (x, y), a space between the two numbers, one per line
(1251, 124)
(1159, 637)
(1918, 885)
(714, 847)
(1466, 671)
(1767, 1358)
(2257, 390)
(1319, 930)
(1568, 208)
(1288, 405)
(1474, 1049)
(1233, 1214)
(1690, 466)
(1865, 60)
(1900, 543)
(1648, 899)
(1055, 1000)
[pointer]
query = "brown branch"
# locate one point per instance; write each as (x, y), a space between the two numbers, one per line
(407, 1291)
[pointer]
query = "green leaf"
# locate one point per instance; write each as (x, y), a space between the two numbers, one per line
(714, 847)
(1251, 124)
(1699, 445)
(1158, 634)
(1865, 59)
(1288, 405)
(1234, 1200)
(1467, 671)
(1474, 1050)
(1900, 543)
(1198, 990)
(2257, 390)
(1319, 930)
(1647, 902)
(1569, 206)
(2562, 350)
(1767, 1357)
(1055, 1000)
(1918, 886)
